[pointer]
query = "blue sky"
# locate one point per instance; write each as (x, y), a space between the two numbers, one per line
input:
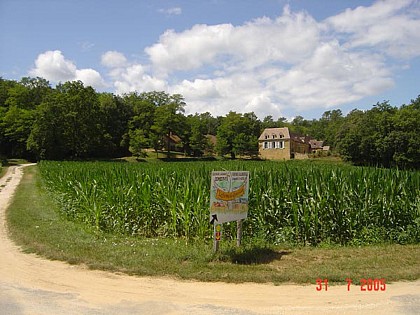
(273, 57)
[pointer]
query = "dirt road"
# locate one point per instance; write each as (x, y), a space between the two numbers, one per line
(33, 285)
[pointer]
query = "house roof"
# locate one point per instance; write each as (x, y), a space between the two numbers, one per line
(299, 138)
(212, 139)
(173, 137)
(275, 133)
(316, 144)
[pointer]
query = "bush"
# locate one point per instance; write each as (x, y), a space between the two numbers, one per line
(3, 160)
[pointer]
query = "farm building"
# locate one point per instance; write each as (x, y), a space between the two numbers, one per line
(172, 142)
(316, 145)
(281, 144)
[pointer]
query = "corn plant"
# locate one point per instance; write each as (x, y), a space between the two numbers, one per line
(289, 202)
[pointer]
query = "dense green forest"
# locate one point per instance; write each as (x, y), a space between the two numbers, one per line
(72, 121)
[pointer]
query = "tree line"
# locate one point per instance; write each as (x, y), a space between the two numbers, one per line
(73, 121)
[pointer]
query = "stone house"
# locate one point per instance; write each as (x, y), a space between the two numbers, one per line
(281, 144)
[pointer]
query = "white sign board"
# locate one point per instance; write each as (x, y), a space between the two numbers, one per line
(229, 196)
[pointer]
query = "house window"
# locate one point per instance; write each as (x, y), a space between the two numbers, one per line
(267, 136)
(279, 144)
(266, 145)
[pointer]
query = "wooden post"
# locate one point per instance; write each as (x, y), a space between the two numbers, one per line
(215, 246)
(238, 232)
(217, 232)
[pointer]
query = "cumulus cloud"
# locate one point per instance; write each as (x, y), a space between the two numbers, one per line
(134, 78)
(287, 39)
(271, 66)
(331, 77)
(53, 66)
(90, 77)
(113, 59)
(389, 25)
(293, 61)
(239, 92)
(128, 77)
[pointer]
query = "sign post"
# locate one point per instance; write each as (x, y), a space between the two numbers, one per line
(217, 236)
(228, 201)
(238, 232)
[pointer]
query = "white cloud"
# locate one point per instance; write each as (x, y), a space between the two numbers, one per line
(237, 92)
(271, 66)
(291, 62)
(171, 11)
(53, 66)
(128, 77)
(134, 78)
(113, 59)
(190, 49)
(356, 20)
(287, 39)
(86, 46)
(268, 65)
(331, 77)
(90, 77)
(392, 26)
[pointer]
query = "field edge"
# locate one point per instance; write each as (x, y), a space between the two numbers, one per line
(35, 224)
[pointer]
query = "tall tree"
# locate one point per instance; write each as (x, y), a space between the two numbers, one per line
(169, 119)
(349, 137)
(383, 135)
(300, 125)
(143, 107)
(268, 122)
(238, 134)
(195, 134)
(16, 126)
(18, 103)
(68, 124)
(115, 116)
(404, 137)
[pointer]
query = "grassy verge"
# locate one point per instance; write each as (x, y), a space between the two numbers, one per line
(35, 224)
(3, 170)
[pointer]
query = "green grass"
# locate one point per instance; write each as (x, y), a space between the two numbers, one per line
(35, 223)
(3, 170)
(11, 162)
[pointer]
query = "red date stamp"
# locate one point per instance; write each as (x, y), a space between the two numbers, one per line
(367, 285)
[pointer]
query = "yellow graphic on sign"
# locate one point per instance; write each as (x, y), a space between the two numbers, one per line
(230, 195)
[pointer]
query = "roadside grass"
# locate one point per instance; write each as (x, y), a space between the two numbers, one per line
(3, 170)
(35, 224)
(5, 163)
(16, 161)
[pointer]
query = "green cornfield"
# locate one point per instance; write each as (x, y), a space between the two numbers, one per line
(299, 203)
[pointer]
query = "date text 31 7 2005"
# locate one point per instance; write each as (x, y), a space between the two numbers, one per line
(365, 284)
